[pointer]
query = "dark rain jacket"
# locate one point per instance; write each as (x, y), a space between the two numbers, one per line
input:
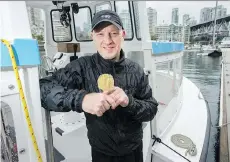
(118, 131)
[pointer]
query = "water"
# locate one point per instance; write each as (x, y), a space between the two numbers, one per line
(205, 72)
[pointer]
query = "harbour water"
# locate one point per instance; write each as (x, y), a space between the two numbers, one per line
(205, 72)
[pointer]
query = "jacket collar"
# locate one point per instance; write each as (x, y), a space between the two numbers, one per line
(111, 63)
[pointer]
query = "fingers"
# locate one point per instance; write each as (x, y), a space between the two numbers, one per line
(99, 113)
(105, 105)
(120, 97)
(116, 91)
(99, 110)
(125, 102)
(122, 101)
(110, 101)
(109, 92)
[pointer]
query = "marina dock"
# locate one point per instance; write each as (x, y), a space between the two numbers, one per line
(224, 155)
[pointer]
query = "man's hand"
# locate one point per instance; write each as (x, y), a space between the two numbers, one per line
(97, 103)
(119, 97)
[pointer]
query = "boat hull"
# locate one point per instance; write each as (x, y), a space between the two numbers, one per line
(215, 53)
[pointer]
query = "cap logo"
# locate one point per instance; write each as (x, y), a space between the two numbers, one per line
(106, 16)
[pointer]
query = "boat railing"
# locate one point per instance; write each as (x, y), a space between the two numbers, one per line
(163, 62)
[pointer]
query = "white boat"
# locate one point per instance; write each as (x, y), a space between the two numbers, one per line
(207, 49)
(202, 54)
(179, 131)
(196, 47)
(193, 48)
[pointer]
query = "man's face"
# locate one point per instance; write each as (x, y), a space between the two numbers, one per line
(108, 41)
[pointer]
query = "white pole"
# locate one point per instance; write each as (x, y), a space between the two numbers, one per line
(214, 28)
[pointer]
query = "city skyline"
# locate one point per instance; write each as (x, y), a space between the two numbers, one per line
(192, 8)
(162, 30)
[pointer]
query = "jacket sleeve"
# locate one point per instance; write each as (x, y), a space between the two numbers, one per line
(142, 106)
(62, 92)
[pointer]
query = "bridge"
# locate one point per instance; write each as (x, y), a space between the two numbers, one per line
(204, 31)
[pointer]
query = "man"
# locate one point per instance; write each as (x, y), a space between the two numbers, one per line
(113, 118)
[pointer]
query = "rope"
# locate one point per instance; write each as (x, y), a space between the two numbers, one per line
(157, 139)
(22, 96)
(184, 142)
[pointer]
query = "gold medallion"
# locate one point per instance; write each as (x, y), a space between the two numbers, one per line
(105, 82)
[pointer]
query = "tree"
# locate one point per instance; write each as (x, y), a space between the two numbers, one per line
(39, 38)
(153, 37)
(37, 33)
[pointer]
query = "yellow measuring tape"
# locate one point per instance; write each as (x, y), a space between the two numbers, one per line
(22, 96)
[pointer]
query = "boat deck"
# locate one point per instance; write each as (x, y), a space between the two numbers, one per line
(192, 116)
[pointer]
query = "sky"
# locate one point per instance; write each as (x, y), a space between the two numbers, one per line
(164, 9)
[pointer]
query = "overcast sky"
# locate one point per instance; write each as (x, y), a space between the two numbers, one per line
(164, 8)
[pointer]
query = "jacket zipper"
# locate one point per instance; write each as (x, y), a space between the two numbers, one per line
(115, 113)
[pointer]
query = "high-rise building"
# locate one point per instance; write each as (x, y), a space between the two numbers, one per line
(170, 32)
(205, 14)
(175, 16)
(186, 34)
(185, 19)
(152, 19)
(176, 32)
(192, 21)
(208, 13)
(220, 12)
(162, 32)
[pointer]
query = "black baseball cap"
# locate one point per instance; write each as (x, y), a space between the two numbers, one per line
(107, 16)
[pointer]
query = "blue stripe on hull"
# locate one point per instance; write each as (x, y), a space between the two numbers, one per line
(166, 47)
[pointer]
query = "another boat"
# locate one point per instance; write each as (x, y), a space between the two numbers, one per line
(216, 52)
(210, 51)
(207, 48)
